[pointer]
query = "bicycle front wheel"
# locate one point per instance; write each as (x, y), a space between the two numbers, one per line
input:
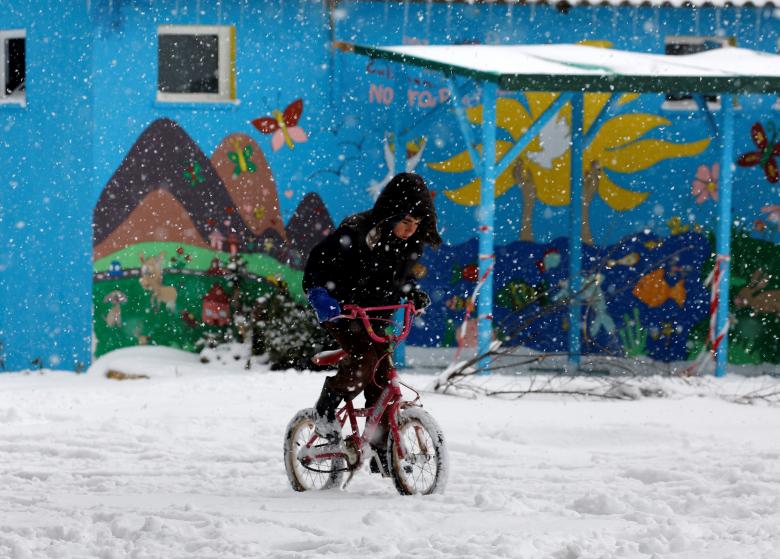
(324, 474)
(423, 469)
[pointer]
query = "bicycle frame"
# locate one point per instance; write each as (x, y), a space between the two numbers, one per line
(390, 398)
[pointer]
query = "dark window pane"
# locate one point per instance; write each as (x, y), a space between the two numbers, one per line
(188, 64)
(14, 66)
(675, 49)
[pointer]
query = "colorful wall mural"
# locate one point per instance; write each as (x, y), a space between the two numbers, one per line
(144, 214)
(172, 221)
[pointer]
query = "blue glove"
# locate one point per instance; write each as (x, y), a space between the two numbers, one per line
(325, 306)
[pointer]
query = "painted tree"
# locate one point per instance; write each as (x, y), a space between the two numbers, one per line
(542, 171)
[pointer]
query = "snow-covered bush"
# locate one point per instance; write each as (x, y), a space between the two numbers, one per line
(286, 331)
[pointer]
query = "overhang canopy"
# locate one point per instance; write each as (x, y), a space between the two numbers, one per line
(574, 70)
(568, 67)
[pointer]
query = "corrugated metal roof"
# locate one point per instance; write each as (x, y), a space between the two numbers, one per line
(657, 3)
(566, 67)
(663, 3)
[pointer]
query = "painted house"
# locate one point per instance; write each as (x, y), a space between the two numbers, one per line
(135, 128)
(216, 307)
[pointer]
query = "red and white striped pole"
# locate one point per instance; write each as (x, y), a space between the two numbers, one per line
(713, 341)
(470, 307)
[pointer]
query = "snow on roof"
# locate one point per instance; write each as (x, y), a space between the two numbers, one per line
(568, 67)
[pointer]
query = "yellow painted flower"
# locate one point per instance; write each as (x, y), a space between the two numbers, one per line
(619, 145)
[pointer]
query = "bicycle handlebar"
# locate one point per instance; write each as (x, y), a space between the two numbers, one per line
(356, 312)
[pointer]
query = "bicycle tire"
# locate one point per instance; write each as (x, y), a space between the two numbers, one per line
(299, 431)
(424, 468)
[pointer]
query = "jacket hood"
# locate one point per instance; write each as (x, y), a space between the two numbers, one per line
(407, 194)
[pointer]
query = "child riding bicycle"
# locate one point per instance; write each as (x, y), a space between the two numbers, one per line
(368, 261)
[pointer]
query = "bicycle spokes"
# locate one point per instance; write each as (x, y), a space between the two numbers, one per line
(418, 454)
(421, 439)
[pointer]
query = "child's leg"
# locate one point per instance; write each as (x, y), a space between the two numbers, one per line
(372, 392)
(355, 371)
(328, 401)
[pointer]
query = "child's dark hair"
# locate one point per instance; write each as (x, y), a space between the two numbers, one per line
(407, 194)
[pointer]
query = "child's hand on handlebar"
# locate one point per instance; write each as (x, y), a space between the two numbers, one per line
(419, 299)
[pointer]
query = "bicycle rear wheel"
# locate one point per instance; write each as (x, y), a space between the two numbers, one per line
(300, 430)
(423, 469)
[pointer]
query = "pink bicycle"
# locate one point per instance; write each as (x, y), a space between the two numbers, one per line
(416, 453)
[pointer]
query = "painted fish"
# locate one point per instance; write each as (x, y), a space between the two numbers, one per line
(676, 227)
(517, 295)
(628, 260)
(469, 272)
(549, 260)
(456, 303)
(653, 290)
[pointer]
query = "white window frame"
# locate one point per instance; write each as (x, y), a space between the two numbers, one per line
(226, 63)
(16, 98)
(776, 106)
(690, 104)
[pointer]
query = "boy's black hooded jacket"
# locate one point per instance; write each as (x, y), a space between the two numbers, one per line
(362, 262)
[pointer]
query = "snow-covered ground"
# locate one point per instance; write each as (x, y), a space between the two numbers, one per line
(189, 464)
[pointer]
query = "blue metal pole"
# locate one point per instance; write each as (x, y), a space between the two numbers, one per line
(723, 240)
(575, 229)
(487, 208)
(399, 158)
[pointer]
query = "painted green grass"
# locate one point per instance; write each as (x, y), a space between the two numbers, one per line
(141, 323)
(260, 264)
(752, 336)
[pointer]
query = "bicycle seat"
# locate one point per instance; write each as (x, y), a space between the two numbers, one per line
(330, 357)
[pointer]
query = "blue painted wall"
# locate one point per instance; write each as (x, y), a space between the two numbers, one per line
(46, 187)
(638, 29)
(91, 80)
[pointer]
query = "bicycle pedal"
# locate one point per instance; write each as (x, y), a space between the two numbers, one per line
(312, 453)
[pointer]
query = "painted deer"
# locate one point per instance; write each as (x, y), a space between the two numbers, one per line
(151, 280)
(114, 316)
(754, 296)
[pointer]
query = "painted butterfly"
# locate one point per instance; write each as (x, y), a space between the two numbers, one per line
(192, 173)
(283, 126)
(768, 148)
(241, 158)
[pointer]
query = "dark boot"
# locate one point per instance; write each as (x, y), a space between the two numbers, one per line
(378, 463)
(325, 424)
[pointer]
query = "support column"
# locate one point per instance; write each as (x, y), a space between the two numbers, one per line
(399, 158)
(487, 208)
(575, 230)
(723, 238)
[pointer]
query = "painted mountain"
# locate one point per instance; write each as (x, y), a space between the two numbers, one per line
(307, 226)
(159, 216)
(242, 167)
(166, 189)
